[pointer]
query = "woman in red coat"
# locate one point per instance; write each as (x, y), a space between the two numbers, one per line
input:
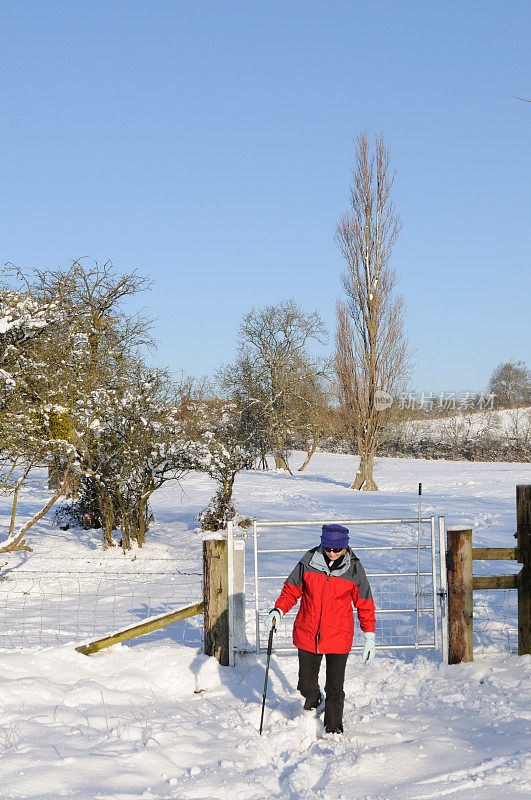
(328, 580)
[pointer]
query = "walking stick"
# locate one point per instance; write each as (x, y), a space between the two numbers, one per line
(269, 646)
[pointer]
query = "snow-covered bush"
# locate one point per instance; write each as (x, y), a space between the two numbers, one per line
(230, 449)
(138, 442)
(75, 396)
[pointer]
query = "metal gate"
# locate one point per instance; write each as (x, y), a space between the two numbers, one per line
(411, 610)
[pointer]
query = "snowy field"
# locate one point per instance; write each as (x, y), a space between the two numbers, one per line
(160, 720)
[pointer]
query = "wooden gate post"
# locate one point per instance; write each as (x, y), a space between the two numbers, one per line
(460, 599)
(215, 592)
(523, 555)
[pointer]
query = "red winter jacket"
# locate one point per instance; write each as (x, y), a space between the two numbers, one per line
(325, 622)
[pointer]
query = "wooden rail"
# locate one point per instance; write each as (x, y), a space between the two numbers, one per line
(495, 582)
(152, 624)
(494, 553)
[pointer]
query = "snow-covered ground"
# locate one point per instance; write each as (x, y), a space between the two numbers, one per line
(160, 720)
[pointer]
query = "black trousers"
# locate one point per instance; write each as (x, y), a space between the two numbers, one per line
(308, 685)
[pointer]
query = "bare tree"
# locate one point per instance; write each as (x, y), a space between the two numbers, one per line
(511, 383)
(314, 417)
(273, 343)
(518, 430)
(372, 357)
(457, 431)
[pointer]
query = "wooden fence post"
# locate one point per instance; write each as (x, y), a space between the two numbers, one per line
(523, 555)
(460, 599)
(215, 592)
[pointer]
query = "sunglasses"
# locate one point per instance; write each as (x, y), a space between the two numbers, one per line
(334, 549)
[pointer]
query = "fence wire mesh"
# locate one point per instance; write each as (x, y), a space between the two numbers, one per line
(496, 619)
(44, 608)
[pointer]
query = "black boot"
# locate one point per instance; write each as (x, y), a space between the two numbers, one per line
(336, 729)
(312, 705)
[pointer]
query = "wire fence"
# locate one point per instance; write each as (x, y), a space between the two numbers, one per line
(496, 619)
(45, 608)
(42, 608)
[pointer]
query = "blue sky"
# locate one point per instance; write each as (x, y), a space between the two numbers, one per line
(209, 145)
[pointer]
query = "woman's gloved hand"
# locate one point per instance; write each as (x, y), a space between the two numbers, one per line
(276, 615)
(370, 647)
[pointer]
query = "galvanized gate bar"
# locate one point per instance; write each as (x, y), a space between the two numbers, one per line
(369, 574)
(417, 590)
(256, 608)
(309, 524)
(403, 610)
(380, 647)
(386, 547)
(434, 582)
(230, 588)
(442, 590)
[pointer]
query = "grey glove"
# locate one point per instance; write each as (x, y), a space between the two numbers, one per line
(274, 615)
(370, 647)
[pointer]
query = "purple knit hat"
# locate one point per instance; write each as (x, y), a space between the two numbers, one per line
(335, 536)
